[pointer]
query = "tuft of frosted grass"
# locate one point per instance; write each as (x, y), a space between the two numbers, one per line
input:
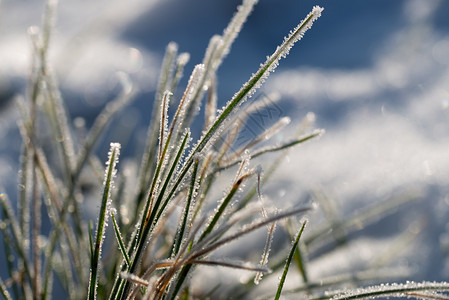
(110, 173)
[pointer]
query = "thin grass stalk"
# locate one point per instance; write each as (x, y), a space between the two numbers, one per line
(176, 127)
(163, 126)
(301, 263)
(224, 204)
(287, 264)
(24, 209)
(108, 184)
(120, 240)
(181, 61)
(267, 134)
(58, 120)
(181, 232)
(283, 146)
(234, 265)
(146, 171)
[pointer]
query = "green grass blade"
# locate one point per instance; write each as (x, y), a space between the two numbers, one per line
(91, 241)
(181, 232)
(146, 172)
(287, 264)
(120, 240)
(102, 218)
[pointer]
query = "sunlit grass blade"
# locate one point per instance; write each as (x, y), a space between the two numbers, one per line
(232, 264)
(187, 211)
(120, 240)
(299, 258)
(287, 264)
(146, 171)
(102, 218)
(181, 61)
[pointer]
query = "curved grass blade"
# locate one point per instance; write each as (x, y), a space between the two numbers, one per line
(287, 264)
(102, 218)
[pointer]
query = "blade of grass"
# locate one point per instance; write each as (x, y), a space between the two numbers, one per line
(146, 172)
(287, 264)
(181, 232)
(281, 147)
(120, 240)
(102, 218)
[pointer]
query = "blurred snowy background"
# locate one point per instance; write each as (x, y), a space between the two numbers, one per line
(375, 73)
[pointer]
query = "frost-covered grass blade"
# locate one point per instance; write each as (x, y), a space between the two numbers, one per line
(102, 218)
(287, 263)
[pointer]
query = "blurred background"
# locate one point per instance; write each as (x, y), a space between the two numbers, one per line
(374, 73)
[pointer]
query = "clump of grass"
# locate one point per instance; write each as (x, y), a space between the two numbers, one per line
(174, 181)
